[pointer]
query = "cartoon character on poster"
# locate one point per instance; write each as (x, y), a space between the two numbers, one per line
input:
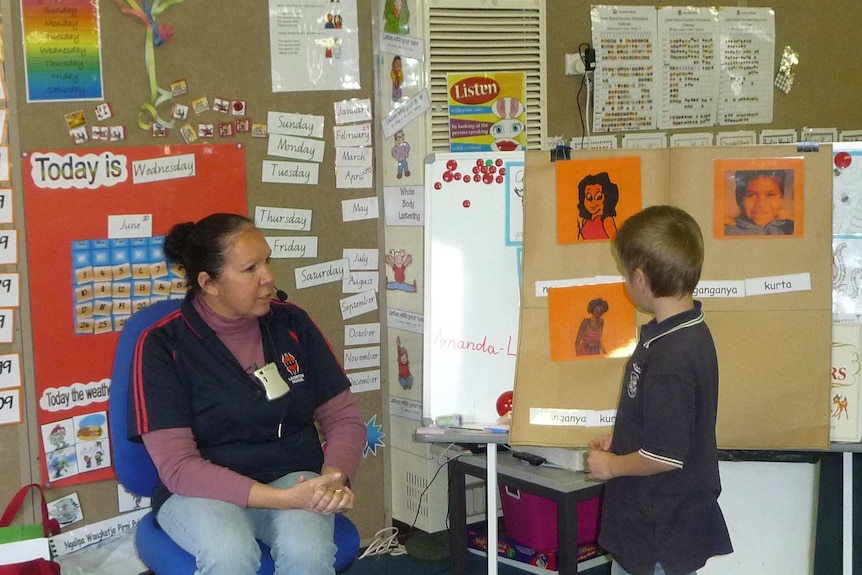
(62, 463)
(397, 76)
(405, 378)
(398, 260)
(401, 151)
(597, 207)
(396, 17)
(508, 130)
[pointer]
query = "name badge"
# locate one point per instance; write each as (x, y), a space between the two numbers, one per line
(272, 382)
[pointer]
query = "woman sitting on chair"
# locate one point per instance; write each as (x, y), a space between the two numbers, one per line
(226, 392)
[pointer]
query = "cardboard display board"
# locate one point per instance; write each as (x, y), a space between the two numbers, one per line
(773, 349)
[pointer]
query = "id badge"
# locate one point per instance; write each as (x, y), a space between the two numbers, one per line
(272, 381)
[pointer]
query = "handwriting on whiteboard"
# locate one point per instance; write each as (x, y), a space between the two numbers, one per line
(444, 342)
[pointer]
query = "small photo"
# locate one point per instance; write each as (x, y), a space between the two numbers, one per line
(158, 130)
(188, 133)
(225, 129)
(200, 105)
(237, 108)
(179, 88)
(258, 130)
(100, 133)
(118, 133)
(221, 105)
(206, 130)
(179, 111)
(75, 119)
(243, 125)
(103, 111)
(760, 198)
(591, 322)
(79, 135)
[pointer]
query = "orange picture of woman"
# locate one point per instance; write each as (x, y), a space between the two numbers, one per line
(589, 338)
(590, 322)
(595, 196)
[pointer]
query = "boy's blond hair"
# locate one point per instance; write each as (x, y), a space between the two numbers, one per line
(667, 245)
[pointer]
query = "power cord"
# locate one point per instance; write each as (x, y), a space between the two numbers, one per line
(385, 543)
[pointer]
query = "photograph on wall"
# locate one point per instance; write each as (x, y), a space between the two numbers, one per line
(591, 322)
(487, 111)
(759, 198)
(95, 223)
(595, 196)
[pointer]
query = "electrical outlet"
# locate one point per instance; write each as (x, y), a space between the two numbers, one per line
(574, 65)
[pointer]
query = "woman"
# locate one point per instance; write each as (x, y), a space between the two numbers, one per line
(226, 393)
(589, 338)
(597, 207)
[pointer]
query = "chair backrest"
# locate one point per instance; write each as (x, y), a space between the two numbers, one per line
(132, 463)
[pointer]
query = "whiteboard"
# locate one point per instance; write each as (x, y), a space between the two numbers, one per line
(473, 246)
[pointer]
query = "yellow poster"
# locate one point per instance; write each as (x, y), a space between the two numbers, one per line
(487, 111)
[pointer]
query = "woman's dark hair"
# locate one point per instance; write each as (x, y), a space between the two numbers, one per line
(597, 304)
(204, 246)
(742, 178)
(610, 189)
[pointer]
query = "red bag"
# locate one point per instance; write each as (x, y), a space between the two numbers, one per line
(38, 566)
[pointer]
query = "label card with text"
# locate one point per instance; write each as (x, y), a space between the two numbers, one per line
(404, 205)
(292, 247)
(6, 321)
(7, 215)
(8, 246)
(289, 172)
(358, 304)
(406, 320)
(294, 124)
(778, 284)
(359, 209)
(10, 407)
(319, 274)
(354, 177)
(362, 357)
(354, 334)
(130, 226)
(361, 259)
(357, 282)
(361, 381)
(351, 111)
(294, 147)
(9, 290)
(273, 218)
(352, 136)
(10, 370)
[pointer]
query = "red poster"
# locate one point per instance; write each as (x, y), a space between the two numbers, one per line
(95, 224)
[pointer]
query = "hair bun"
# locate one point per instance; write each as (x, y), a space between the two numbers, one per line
(176, 241)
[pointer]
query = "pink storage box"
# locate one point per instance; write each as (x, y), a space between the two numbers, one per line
(532, 520)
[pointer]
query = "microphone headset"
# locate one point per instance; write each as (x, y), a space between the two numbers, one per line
(280, 294)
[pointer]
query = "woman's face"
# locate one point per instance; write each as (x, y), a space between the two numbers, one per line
(594, 199)
(246, 283)
(762, 200)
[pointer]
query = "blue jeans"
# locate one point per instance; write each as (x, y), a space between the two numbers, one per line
(222, 535)
(617, 569)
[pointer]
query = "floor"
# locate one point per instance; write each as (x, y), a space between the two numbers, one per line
(407, 565)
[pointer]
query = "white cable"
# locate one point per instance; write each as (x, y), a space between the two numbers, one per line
(385, 542)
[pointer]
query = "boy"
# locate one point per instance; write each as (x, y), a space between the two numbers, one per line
(661, 513)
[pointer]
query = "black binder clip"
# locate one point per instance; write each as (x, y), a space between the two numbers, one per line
(561, 153)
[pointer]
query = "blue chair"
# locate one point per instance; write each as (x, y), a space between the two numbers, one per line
(135, 469)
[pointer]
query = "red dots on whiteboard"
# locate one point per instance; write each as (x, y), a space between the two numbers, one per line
(466, 203)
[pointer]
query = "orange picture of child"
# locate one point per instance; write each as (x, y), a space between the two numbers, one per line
(597, 207)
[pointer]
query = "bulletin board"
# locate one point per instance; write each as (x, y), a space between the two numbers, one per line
(99, 262)
(774, 350)
(235, 69)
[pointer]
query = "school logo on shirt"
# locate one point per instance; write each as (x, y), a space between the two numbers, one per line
(634, 377)
(292, 367)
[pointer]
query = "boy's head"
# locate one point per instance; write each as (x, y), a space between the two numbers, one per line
(666, 244)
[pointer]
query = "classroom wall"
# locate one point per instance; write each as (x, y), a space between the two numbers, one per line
(221, 48)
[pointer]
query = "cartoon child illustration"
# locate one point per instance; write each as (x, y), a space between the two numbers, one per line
(57, 437)
(404, 376)
(509, 127)
(597, 207)
(760, 197)
(399, 260)
(589, 338)
(397, 76)
(396, 17)
(401, 151)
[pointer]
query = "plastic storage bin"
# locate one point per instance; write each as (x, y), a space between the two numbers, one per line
(532, 520)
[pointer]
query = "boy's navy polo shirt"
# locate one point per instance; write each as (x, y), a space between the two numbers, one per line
(667, 412)
(184, 376)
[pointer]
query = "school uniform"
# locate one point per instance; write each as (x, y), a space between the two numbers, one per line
(188, 378)
(667, 412)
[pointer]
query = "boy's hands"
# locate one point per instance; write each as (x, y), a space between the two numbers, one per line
(600, 458)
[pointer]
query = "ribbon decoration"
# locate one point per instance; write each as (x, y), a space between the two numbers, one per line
(156, 36)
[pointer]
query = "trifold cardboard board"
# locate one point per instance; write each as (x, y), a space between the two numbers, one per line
(767, 299)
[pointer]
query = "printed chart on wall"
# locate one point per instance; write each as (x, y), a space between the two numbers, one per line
(96, 221)
(473, 239)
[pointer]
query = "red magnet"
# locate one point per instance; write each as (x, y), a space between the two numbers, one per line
(504, 403)
(438, 186)
(466, 203)
(451, 165)
(843, 160)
